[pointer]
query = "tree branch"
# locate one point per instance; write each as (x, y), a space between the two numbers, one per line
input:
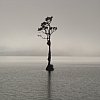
(53, 29)
(42, 37)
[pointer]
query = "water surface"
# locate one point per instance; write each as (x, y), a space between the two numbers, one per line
(25, 78)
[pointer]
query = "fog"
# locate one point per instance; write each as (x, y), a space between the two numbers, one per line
(78, 23)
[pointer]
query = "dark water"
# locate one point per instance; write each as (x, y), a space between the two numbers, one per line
(30, 81)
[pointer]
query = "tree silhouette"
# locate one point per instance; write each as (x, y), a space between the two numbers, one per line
(47, 30)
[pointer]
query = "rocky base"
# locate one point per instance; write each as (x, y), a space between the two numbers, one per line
(50, 68)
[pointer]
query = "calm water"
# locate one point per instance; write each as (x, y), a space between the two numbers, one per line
(25, 78)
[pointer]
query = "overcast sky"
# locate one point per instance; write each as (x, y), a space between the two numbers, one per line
(78, 23)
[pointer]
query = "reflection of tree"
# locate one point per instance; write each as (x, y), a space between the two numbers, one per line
(47, 30)
(49, 85)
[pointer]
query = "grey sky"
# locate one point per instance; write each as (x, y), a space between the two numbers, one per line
(78, 23)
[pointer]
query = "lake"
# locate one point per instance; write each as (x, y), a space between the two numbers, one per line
(25, 78)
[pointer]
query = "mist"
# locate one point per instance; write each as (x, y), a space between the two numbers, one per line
(78, 23)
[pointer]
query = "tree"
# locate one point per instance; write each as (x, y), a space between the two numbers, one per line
(47, 30)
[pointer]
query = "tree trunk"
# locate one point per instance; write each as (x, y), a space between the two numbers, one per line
(49, 53)
(49, 66)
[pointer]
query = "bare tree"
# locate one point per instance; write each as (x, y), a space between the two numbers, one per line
(47, 30)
